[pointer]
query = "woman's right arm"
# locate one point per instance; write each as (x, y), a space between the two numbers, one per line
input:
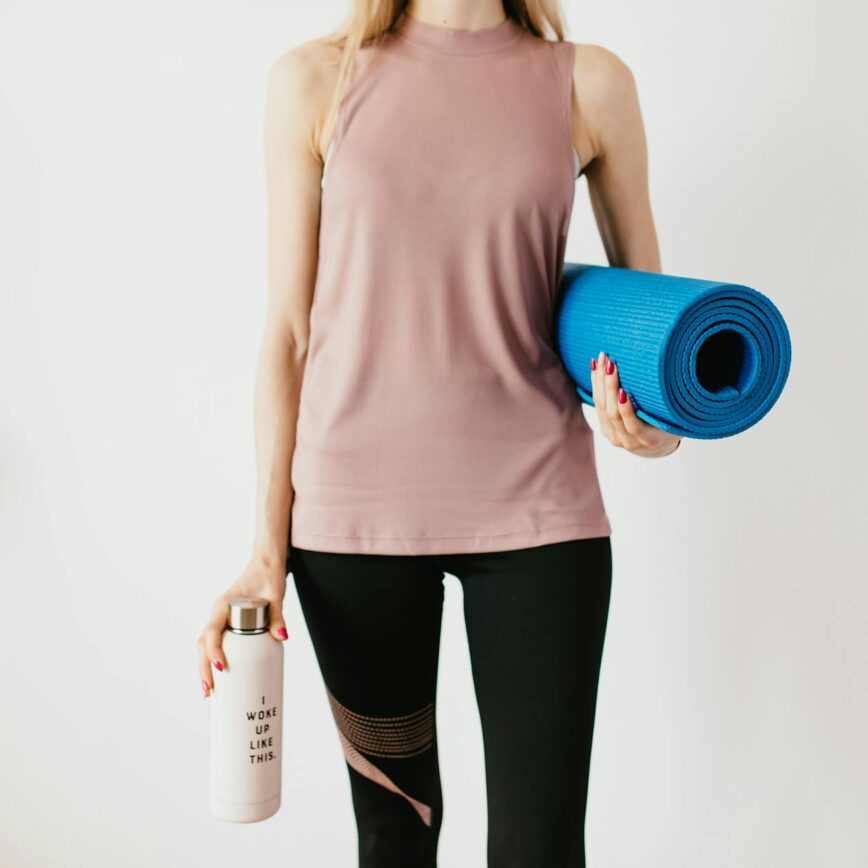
(297, 96)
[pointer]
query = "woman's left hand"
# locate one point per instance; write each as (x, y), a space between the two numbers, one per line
(618, 419)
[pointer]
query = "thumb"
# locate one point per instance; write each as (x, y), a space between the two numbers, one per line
(277, 627)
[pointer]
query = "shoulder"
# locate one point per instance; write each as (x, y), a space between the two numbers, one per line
(602, 81)
(305, 69)
(599, 73)
(301, 82)
(605, 91)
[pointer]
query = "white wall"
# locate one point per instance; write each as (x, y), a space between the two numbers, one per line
(733, 704)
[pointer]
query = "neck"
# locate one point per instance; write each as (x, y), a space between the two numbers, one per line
(457, 14)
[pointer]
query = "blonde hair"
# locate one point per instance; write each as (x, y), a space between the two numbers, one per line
(370, 20)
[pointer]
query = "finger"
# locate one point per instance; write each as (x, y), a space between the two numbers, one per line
(599, 399)
(638, 434)
(630, 440)
(213, 645)
(599, 394)
(205, 674)
(213, 635)
(595, 380)
(610, 389)
(209, 642)
(620, 436)
(633, 424)
(647, 436)
(644, 434)
(277, 625)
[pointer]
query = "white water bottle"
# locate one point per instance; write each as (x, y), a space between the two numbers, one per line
(247, 717)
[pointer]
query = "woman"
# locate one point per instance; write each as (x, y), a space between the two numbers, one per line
(421, 183)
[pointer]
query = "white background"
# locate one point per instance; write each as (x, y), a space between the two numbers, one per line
(732, 708)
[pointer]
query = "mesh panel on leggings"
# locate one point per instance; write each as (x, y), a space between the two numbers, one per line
(404, 735)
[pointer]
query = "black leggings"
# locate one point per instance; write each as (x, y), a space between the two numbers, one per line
(535, 619)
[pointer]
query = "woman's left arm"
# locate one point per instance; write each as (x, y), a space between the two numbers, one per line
(609, 134)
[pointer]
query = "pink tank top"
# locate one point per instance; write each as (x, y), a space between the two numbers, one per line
(435, 414)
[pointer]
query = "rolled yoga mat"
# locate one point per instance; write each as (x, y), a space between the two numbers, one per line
(699, 358)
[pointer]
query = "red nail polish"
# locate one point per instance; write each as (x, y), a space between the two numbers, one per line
(205, 686)
(593, 364)
(622, 396)
(219, 665)
(610, 367)
(283, 632)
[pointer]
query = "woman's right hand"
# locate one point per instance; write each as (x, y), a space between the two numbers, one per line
(257, 580)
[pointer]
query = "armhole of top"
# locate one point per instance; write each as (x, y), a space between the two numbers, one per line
(568, 52)
(340, 123)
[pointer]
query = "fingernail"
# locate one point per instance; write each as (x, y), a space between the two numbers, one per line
(610, 367)
(205, 687)
(593, 364)
(283, 632)
(622, 396)
(219, 665)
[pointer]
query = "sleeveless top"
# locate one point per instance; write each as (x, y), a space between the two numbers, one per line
(435, 415)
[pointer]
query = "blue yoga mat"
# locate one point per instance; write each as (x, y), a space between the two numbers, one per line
(699, 358)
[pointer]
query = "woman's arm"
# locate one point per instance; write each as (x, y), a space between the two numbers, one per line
(298, 94)
(294, 105)
(609, 133)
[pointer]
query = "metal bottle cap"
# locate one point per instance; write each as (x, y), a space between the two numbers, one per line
(248, 614)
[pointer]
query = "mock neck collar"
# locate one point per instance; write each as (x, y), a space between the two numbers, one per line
(450, 40)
